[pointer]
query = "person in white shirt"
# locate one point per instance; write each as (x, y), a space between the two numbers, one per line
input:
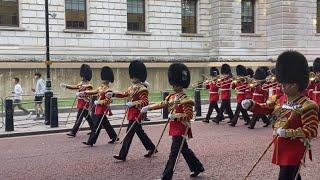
(39, 91)
(17, 96)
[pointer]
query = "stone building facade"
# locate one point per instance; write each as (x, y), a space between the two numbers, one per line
(219, 32)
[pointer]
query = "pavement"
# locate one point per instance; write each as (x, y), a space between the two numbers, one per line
(227, 153)
(24, 126)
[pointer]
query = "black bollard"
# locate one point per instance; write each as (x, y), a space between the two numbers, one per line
(165, 111)
(197, 100)
(9, 115)
(47, 106)
(54, 122)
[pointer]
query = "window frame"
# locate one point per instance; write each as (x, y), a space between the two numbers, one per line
(253, 17)
(86, 25)
(195, 26)
(144, 29)
(18, 18)
(318, 17)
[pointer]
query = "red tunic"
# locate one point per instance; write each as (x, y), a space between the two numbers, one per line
(288, 151)
(83, 101)
(213, 92)
(309, 91)
(182, 111)
(240, 88)
(225, 88)
(104, 106)
(249, 93)
(316, 93)
(277, 90)
(259, 95)
(138, 94)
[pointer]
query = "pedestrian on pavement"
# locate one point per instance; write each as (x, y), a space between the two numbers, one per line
(138, 94)
(39, 91)
(17, 96)
(181, 114)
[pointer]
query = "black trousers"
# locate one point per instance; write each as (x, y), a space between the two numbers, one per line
(288, 173)
(225, 105)
(82, 113)
(96, 128)
(191, 159)
(256, 117)
(137, 128)
(212, 105)
(237, 113)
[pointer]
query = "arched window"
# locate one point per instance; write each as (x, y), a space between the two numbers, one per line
(247, 16)
(76, 14)
(9, 13)
(136, 15)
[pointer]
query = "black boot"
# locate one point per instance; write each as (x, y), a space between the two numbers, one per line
(150, 153)
(88, 144)
(206, 121)
(196, 173)
(113, 141)
(117, 157)
(71, 134)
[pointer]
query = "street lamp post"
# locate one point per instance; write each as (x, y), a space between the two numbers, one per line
(48, 93)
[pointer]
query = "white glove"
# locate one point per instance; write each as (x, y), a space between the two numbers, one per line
(130, 104)
(172, 117)
(281, 132)
(109, 94)
(79, 94)
(246, 104)
(63, 85)
(145, 109)
(96, 102)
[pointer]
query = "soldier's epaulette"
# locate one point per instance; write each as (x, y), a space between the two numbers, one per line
(272, 99)
(309, 104)
(187, 101)
(142, 88)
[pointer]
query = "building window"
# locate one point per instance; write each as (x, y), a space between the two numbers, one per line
(189, 16)
(76, 14)
(136, 15)
(247, 16)
(318, 16)
(9, 15)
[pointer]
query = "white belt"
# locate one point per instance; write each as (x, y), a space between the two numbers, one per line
(256, 94)
(316, 92)
(213, 92)
(240, 92)
(225, 89)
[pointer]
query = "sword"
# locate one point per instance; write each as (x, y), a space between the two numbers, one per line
(74, 102)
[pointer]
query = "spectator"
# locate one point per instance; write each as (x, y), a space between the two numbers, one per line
(17, 96)
(39, 93)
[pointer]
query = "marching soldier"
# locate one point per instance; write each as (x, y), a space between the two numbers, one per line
(295, 122)
(259, 96)
(138, 94)
(181, 113)
(309, 91)
(83, 102)
(225, 88)
(213, 93)
(240, 85)
(316, 82)
(249, 91)
(102, 109)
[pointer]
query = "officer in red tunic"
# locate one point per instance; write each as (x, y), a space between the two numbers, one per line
(181, 113)
(213, 93)
(83, 101)
(316, 82)
(295, 122)
(102, 109)
(240, 85)
(225, 93)
(138, 95)
(259, 96)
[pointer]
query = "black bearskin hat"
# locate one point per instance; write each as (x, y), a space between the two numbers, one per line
(214, 71)
(86, 72)
(107, 74)
(310, 69)
(241, 70)
(260, 74)
(250, 72)
(138, 70)
(292, 67)
(226, 69)
(267, 70)
(316, 65)
(273, 71)
(179, 75)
